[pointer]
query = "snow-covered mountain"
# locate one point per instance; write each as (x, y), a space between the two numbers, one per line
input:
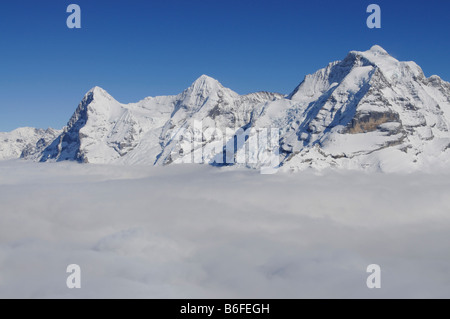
(103, 130)
(26, 142)
(368, 111)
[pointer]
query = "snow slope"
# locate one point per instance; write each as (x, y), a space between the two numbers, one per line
(25, 142)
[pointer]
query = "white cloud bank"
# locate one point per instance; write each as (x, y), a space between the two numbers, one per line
(203, 232)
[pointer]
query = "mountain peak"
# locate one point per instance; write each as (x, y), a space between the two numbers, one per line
(205, 77)
(378, 49)
(96, 89)
(205, 81)
(202, 90)
(374, 55)
(205, 86)
(97, 92)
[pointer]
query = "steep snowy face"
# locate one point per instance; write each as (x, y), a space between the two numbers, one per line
(365, 107)
(203, 93)
(323, 100)
(206, 106)
(25, 142)
(103, 130)
(86, 135)
(205, 101)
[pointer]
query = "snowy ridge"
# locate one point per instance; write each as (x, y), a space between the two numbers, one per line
(368, 111)
(25, 142)
(103, 130)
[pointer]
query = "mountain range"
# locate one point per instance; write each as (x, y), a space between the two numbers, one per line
(368, 111)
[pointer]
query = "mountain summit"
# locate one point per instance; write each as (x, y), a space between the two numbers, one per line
(368, 111)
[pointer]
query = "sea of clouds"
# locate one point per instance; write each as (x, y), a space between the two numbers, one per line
(192, 231)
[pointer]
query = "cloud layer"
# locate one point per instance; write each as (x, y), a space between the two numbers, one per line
(202, 232)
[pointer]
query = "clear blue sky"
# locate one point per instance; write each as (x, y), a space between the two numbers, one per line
(139, 48)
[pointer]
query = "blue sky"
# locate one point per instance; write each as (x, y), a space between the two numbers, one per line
(139, 48)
